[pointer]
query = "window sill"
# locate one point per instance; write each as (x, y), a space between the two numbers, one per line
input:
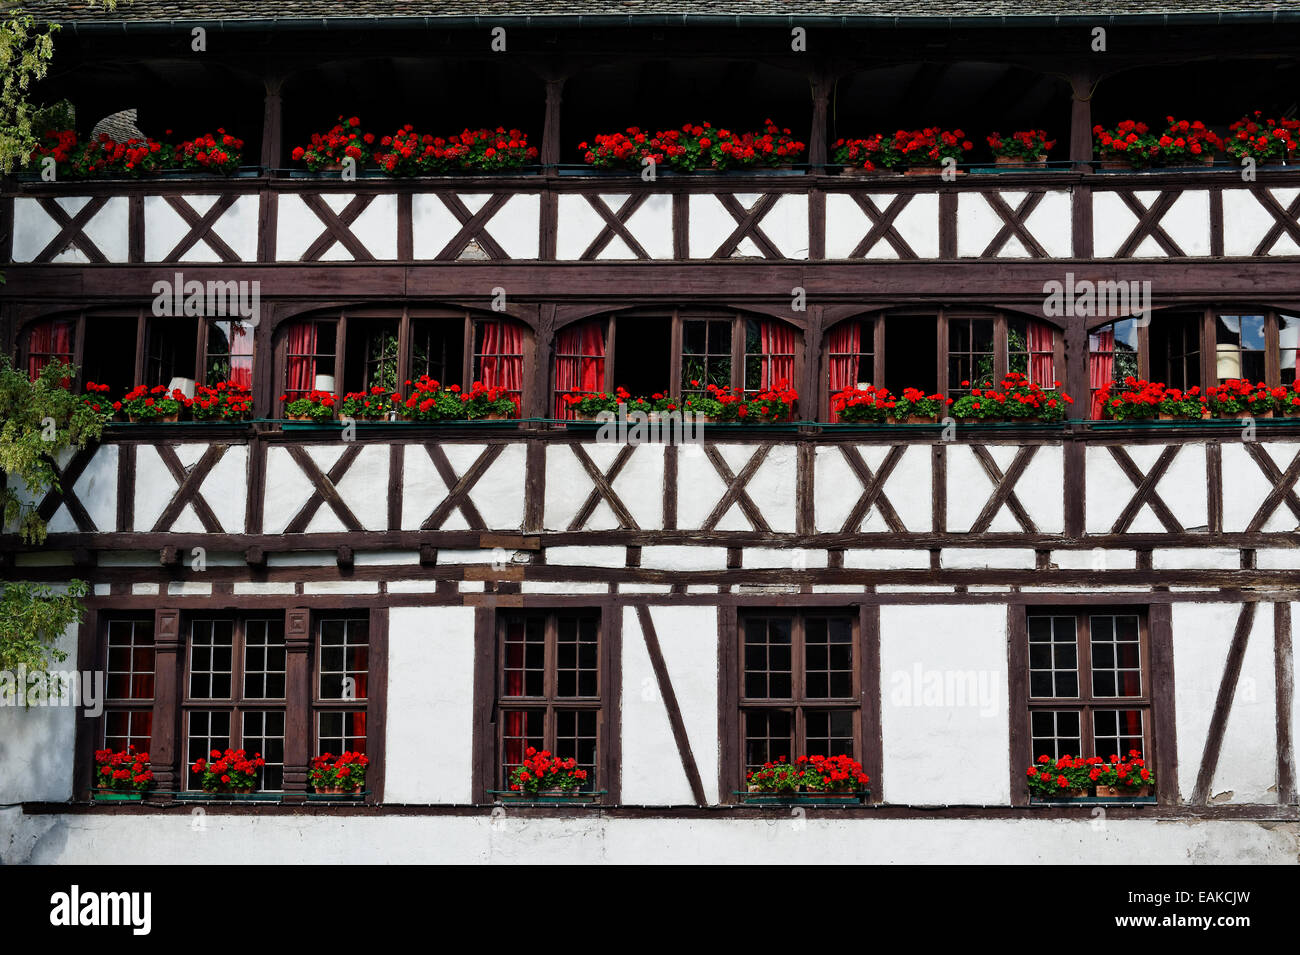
(804, 799)
(511, 798)
(1093, 801)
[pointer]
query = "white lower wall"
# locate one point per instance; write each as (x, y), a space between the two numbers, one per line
(502, 837)
(652, 771)
(943, 673)
(1247, 769)
(37, 744)
(430, 721)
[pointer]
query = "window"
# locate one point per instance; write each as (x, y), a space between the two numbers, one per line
(360, 349)
(1176, 350)
(1112, 357)
(1089, 683)
(342, 684)
(1239, 347)
(550, 690)
(235, 685)
(228, 354)
(129, 694)
(948, 351)
(799, 686)
(679, 353)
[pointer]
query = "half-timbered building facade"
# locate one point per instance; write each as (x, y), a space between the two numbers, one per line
(943, 603)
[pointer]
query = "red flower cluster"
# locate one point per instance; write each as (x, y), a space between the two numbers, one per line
(1028, 144)
(347, 771)
(809, 773)
(1262, 139)
(1187, 141)
(314, 405)
(1016, 398)
(94, 399)
(103, 155)
(143, 403)
(1051, 777)
(226, 401)
(408, 153)
(924, 147)
(694, 146)
(344, 141)
(220, 153)
(855, 404)
(1138, 399)
(541, 771)
(124, 771)
(1130, 141)
(859, 153)
(229, 771)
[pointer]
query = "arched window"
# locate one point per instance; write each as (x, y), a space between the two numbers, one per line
(357, 349)
(678, 352)
(946, 350)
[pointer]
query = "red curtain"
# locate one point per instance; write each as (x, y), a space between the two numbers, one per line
(47, 341)
(501, 359)
(1101, 366)
(776, 339)
(1042, 354)
(241, 355)
(579, 362)
(301, 365)
(845, 346)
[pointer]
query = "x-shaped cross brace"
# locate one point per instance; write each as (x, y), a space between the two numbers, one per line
(1146, 489)
(736, 493)
(882, 226)
(201, 228)
(326, 492)
(71, 230)
(1004, 489)
(603, 488)
(337, 227)
(459, 486)
(187, 488)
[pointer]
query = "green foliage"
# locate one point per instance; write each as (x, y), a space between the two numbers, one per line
(41, 419)
(32, 618)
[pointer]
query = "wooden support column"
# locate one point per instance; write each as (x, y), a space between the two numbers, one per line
(819, 132)
(166, 752)
(272, 123)
(543, 346)
(1083, 83)
(297, 692)
(550, 151)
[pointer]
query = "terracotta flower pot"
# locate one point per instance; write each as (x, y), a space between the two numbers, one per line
(858, 172)
(167, 417)
(924, 171)
(1017, 161)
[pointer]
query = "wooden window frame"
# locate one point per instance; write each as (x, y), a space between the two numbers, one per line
(321, 705)
(1156, 702)
(171, 703)
(865, 703)
(550, 701)
(125, 704)
(352, 321)
(873, 331)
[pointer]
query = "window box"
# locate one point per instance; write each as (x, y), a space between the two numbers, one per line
(356, 796)
(857, 798)
(553, 798)
(104, 795)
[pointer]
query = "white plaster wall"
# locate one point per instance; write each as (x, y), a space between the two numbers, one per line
(34, 229)
(1049, 224)
(926, 734)
(772, 488)
(639, 485)
(430, 723)
(1247, 770)
(652, 771)
(1246, 222)
(785, 225)
(1040, 489)
(96, 489)
(837, 488)
(917, 225)
(37, 744)
(1246, 487)
(579, 224)
(593, 839)
(516, 227)
(164, 228)
(1182, 488)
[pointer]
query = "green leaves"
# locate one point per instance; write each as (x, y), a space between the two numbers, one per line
(32, 618)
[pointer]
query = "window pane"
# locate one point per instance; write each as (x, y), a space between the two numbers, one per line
(574, 643)
(520, 729)
(342, 731)
(1055, 733)
(768, 737)
(264, 734)
(1117, 732)
(575, 738)
(124, 728)
(768, 662)
(828, 657)
(830, 733)
(264, 660)
(1053, 657)
(211, 659)
(1288, 342)
(208, 730)
(524, 657)
(130, 673)
(344, 659)
(1116, 656)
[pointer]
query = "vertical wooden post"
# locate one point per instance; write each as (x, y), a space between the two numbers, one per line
(1082, 85)
(272, 124)
(819, 131)
(167, 757)
(550, 152)
(297, 692)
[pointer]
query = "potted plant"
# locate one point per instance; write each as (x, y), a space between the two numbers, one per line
(95, 399)
(1188, 143)
(122, 776)
(227, 772)
(808, 779)
(859, 405)
(916, 407)
(345, 140)
(431, 402)
(145, 404)
(585, 406)
(772, 404)
(1239, 398)
(1122, 777)
(544, 775)
(225, 401)
(922, 151)
(315, 406)
(1136, 399)
(341, 775)
(219, 154)
(702, 407)
(488, 402)
(377, 404)
(1177, 405)
(495, 150)
(102, 156)
(694, 147)
(1027, 147)
(1015, 399)
(1129, 145)
(1286, 400)
(1267, 141)
(859, 157)
(1063, 778)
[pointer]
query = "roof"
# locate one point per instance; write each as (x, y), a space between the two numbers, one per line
(629, 12)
